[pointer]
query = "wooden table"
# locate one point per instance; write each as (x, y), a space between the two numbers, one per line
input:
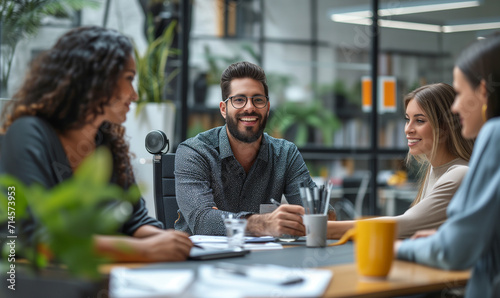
(404, 279)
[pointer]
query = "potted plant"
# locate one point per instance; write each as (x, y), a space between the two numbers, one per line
(22, 19)
(298, 122)
(153, 110)
(152, 79)
(60, 251)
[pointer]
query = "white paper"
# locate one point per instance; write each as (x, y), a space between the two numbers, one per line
(220, 242)
(128, 283)
(210, 283)
(247, 246)
(208, 239)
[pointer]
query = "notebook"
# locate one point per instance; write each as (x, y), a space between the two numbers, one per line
(210, 254)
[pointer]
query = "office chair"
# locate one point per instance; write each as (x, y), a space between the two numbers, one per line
(163, 178)
(355, 189)
(495, 290)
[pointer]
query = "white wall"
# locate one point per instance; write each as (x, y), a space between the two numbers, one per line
(125, 16)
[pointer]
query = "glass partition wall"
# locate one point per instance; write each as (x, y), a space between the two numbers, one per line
(319, 58)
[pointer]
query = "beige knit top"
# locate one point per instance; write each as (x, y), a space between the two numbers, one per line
(439, 188)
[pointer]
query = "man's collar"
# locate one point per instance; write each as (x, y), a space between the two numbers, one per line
(225, 147)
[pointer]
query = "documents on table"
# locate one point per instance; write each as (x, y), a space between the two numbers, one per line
(251, 243)
(128, 283)
(273, 274)
(230, 280)
(220, 280)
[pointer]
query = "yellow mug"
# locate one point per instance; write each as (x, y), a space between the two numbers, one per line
(374, 245)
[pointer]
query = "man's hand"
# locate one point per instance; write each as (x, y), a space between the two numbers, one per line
(286, 219)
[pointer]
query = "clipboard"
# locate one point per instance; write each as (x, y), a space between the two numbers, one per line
(211, 254)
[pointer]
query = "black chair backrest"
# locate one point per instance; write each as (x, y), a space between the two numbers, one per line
(163, 177)
(495, 289)
(164, 189)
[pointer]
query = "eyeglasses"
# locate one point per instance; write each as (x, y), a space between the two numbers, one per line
(239, 101)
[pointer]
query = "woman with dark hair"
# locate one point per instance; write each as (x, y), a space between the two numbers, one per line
(75, 98)
(434, 141)
(470, 237)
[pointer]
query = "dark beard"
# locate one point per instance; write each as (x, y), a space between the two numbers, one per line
(247, 136)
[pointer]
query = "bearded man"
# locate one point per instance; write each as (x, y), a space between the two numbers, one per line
(233, 169)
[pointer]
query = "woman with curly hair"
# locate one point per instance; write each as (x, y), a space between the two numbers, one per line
(75, 98)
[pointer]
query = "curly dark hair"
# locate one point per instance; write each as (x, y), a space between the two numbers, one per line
(76, 78)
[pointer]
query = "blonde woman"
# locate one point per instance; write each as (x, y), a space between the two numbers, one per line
(434, 140)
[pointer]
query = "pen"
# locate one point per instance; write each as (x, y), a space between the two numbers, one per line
(199, 246)
(275, 203)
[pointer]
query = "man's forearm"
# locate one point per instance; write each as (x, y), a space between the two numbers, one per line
(257, 225)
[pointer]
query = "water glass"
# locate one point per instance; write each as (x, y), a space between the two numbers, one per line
(235, 231)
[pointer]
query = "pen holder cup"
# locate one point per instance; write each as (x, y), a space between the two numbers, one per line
(315, 229)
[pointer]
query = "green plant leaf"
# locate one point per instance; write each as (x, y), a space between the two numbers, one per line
(12, 190)
(304, 116)
(152, 79)
(22, 19)
(71, 213)
(95, 169)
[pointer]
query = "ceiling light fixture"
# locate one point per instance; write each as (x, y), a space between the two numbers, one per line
(361, 16)
(391, 9)
(427, 6)
(471, 27)
(421, 26)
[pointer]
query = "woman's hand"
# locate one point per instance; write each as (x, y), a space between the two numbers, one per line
(423, 233)
(397, 244)
(160, 246)
(166, 246)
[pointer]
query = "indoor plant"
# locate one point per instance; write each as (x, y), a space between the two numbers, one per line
(67, 216)
(152, 111)
(298, 120)
(70, 213)
(152, 79)
(22, 19)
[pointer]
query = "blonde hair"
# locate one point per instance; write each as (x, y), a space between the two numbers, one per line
(436, 100)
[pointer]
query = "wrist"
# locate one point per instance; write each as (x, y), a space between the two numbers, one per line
(121, 249)
(146, 231)
(256, 225)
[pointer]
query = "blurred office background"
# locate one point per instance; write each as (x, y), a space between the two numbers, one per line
(319, 58)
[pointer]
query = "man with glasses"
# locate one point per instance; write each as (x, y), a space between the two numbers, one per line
(232, 169)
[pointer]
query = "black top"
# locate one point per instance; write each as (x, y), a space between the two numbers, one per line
(32, 152)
